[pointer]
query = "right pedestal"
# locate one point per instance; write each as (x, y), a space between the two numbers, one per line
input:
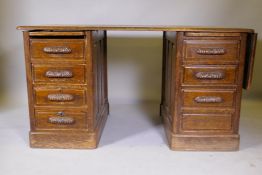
(203, 76)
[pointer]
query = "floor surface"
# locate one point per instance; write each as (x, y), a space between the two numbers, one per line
(134, 143)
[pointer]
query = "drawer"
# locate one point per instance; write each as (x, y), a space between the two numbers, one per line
(208, 98)
(208, 75)
(59, 96)
(206, 122)
(73, 74)
(211, 50)
(61, 119)
(57, 49)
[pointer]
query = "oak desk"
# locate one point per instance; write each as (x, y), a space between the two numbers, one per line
(204, 71)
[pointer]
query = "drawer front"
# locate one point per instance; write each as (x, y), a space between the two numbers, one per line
(192, 122)
(208, 98)
(64, 97)
(57, 49)
(198, 75)
(59, 74)
(60, 119)
(211, 50)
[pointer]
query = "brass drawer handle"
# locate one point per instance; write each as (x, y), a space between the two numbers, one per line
(210, 75)
(59, 74)
(57, 50)
(211, 51)
(61, 120)
(208, 99)
(60, 97)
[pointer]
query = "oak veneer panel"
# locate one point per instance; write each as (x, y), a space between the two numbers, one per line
(206, 122)
(60, 97)
(214, 50)
(62, 73)
(54, 48)
(206, 75)
(78, 120)
(208, 98)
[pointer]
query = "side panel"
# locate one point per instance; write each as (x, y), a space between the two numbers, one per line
(249, 60)
(29, 79)
(101, 108)
(169, 80)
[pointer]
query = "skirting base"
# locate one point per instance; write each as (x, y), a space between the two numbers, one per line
(203, 143)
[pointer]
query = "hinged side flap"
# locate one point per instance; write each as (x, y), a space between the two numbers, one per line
(249, 61)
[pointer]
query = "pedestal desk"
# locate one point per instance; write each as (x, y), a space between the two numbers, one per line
(204, 71)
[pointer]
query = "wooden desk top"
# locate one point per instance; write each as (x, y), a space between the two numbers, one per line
(132, 28)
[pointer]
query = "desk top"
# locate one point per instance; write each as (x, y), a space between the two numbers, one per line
(132, 28)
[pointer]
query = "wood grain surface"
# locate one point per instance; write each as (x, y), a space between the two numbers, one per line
(134, 28)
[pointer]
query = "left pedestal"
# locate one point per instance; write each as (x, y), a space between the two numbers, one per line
(67, 87)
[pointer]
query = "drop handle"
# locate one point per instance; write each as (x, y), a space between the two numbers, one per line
(208, 99)
(57, 50)
(211, 51)
(60, 119)
(60, 97)
(59, 74)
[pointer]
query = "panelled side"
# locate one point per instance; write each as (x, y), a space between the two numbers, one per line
(169, 71)
(101, 106)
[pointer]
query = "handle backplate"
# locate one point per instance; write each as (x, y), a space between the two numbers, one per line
(210, 75)
(208, 99)
(57, 50)
(60, 97)
(211, 51)
(59, 74)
